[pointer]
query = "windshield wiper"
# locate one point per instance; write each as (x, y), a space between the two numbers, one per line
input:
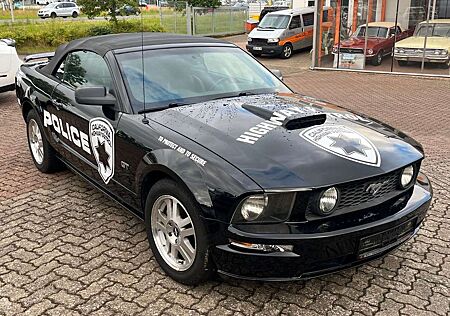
(241, 94)
(163, 107)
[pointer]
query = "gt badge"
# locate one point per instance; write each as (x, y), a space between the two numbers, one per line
(343, 142)
(101, 135)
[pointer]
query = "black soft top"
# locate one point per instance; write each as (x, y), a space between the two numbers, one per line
(105, 43)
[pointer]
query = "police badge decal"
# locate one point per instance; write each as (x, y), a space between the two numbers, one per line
(343, 142)
(101, 135)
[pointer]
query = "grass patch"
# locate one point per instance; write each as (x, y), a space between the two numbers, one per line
(31, 37)
(19, 14)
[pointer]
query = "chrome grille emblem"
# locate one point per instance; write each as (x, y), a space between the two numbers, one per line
(373, 188)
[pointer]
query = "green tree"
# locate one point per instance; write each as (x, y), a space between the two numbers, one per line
(204, 3)
(93, 8)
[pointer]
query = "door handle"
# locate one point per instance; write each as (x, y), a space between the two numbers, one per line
(58, 104)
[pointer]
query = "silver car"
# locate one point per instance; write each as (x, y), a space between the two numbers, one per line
(63, 9)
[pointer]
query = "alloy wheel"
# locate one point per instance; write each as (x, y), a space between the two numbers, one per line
(173, 232)
(287, 51)
(35, 139)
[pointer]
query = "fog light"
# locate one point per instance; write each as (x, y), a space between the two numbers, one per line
(407, 176)
(253, 206)
(262, 247)
(328, 201)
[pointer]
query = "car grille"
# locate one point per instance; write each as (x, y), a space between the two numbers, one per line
(259, 41)
(356, 193)
(416, 51)
(351, 50)
(353, 196)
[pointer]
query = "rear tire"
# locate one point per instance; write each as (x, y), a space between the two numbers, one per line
(184, 258)
(287, 51)
(74, 15)
(42, 153)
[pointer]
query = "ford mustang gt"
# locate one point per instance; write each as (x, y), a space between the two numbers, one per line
(231, 170)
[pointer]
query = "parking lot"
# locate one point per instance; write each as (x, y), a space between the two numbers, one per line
(66, 249)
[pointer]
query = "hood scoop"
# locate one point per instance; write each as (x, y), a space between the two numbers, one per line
(290, 123)
(298, 122)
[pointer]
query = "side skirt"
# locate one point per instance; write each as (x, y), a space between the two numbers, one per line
(126, 206)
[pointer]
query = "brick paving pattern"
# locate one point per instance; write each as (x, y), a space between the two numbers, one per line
(66, 249)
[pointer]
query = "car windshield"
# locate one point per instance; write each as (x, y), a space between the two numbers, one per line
(434, 29)
(195, 74)
(51, 5)
(272, 21)
(372, 31)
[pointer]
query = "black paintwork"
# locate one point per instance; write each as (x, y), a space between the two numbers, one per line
(278, 161)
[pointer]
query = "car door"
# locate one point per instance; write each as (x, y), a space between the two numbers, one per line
(59, 9)
(90, 145)
(308, 29)
(293, 34)
(68, 9)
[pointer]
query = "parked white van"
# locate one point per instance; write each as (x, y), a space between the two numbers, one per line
(282, 32)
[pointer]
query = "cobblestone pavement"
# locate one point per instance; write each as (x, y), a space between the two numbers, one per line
(67, 249)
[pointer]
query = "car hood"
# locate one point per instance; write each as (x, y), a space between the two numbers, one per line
(265, 33)
(267, 138)
(359, 42)
(418, 42)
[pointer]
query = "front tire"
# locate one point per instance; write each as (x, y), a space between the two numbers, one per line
(446, 65)
(287, 51)
(43, 154)
(376, 61)
(176, 233)
(53, 15)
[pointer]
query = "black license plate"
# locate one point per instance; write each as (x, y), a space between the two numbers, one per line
(388, 238)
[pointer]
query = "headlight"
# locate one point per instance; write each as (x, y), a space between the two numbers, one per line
(437, 52)
(253, 207)
(273, 40)
(407, 176)
(249, 39)
(265, 208)
(370, 51)
(335, 49)
(444, 52)
(328, 201)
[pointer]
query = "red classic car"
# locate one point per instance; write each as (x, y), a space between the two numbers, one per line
(380, 41)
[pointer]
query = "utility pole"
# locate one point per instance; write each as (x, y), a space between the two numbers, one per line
(11, 8)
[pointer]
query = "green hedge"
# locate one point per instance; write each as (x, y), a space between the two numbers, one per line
(51, 34)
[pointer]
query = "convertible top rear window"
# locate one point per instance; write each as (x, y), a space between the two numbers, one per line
(194, 74)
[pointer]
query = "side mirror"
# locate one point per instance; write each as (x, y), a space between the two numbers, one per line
(94, 95)
(277, 73)
(9, 42)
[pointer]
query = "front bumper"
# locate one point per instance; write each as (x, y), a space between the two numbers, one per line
(318, 253)
(428, 58)
(273, 50)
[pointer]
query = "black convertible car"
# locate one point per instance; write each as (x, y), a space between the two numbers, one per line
(231, 171)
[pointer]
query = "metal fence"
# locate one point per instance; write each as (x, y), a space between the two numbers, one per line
(178, 17)
(173, 17)
(218, 21)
